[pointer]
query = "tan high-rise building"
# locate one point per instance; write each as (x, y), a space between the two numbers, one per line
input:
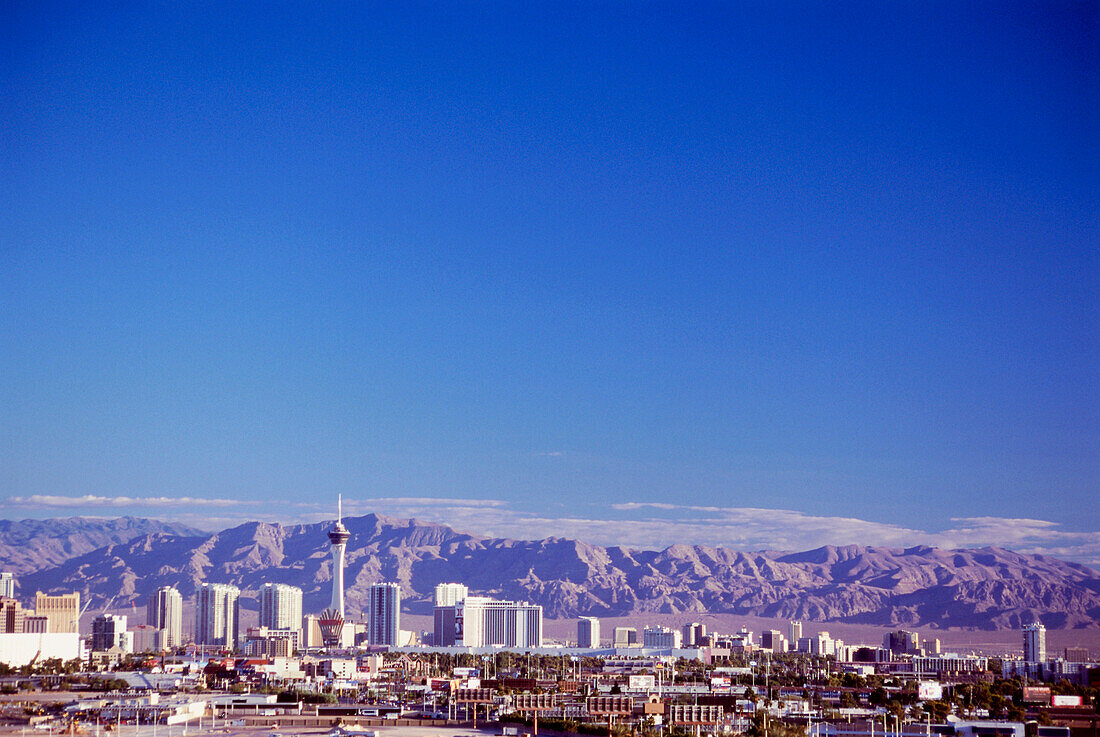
(62, 611)
(11, 616)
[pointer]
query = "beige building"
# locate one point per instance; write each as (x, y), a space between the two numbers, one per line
(62, 611)
(11, 616)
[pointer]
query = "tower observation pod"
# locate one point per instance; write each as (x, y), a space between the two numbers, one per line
(332, 619)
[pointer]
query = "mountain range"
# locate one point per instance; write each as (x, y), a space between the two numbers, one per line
(985, 588)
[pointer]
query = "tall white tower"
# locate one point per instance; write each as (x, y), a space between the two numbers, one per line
(332, 619)
(1035, 643)
(280, 607)
(218, 615)
(165, 612)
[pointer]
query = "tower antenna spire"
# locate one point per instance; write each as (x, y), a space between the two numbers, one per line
(339, 507)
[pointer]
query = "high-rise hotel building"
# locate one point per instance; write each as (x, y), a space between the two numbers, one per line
(1035, 643)
(61, 611)
(588, 632)
(384, 604)
(217, 615)
(164, 610)
(280, 607)
(478, 621)
(449, 594)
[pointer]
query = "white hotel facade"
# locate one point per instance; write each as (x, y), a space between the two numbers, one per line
(478, 621)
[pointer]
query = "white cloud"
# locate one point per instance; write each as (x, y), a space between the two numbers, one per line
(45, 500)
(649, 525)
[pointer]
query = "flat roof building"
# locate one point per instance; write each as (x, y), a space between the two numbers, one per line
(384, 603)
(478, 621)
(588, 632)
(280, 607)
(164, 611)
(217, 615)
(62, 611)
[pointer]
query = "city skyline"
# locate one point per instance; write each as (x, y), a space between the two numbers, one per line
(766, 277)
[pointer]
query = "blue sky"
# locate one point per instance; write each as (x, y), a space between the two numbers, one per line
(640, 272)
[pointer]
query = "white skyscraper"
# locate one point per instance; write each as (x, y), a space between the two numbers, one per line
(794, 632)
(217, 615)
(332, 619)
(449, 594)
(588, 632)
(280, 607)
(1035, 643)
(164, 611)
(385, 613)
(7, 585)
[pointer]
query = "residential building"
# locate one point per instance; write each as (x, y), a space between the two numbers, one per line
(384, 605)
(164, 611)
(62, 611)
(478, 621)
(108, 631)
(588, 632)
(449, 594)
(1035, 643)
(280, 607)
(217, 615)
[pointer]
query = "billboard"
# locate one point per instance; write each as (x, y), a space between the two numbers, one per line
(474, 696)
(693, 714)
(720, 684)
(533, 701)
(929, 690)
(1037, 694)
(641, 683)
(1065, 700)
(604, 705)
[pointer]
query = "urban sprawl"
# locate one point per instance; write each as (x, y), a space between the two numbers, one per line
(486, 666)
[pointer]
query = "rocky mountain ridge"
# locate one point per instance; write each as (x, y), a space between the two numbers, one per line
(987, 588)
(30, 545)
